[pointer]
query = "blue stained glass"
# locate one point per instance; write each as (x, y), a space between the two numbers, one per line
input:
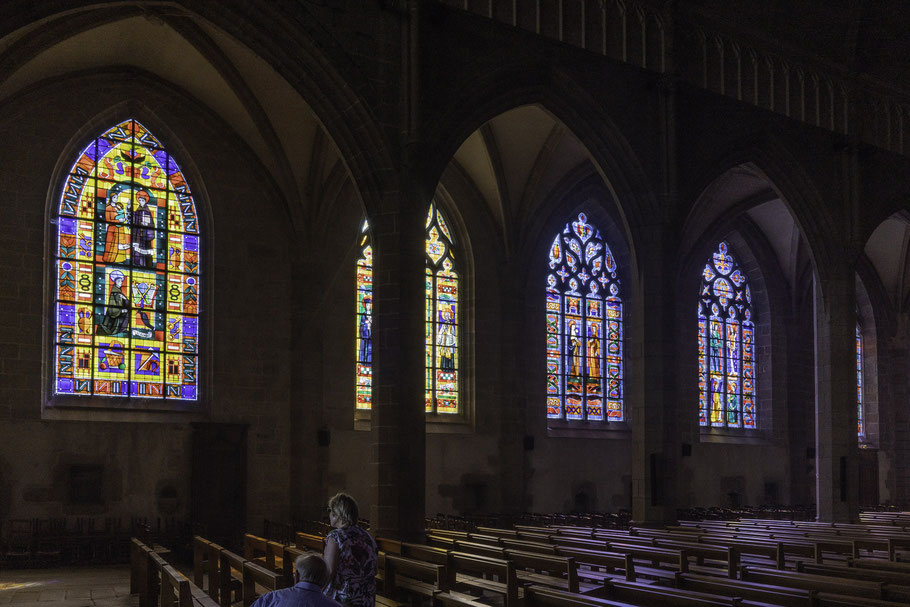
(584, 331)
(726, 367)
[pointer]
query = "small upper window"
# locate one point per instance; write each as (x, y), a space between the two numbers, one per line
(127, 272)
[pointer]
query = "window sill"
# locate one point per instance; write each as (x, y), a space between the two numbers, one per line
(122, 410)
(733, 436)
(585, 429)
(435, 424)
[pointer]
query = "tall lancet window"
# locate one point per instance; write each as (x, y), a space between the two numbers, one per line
(860, 417)
(364, 340)
(726, 345)
(584, 327)
(127, 272)
(442, 343)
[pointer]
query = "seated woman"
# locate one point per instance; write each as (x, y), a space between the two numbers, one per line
(351, 555)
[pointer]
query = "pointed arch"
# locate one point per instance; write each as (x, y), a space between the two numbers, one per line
(584, 327)
(726, 344)
(442, 334)
(127, 272)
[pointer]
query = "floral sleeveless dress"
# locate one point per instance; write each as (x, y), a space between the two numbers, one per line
(355, 577)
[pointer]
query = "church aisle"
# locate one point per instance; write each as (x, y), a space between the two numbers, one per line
(69, 587)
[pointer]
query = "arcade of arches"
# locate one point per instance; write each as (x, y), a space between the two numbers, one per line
(651, 261)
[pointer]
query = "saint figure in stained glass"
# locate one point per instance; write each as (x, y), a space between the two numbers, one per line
(584, 327)
(127, 272)
(726, 366)
(364, 315)
(441, 316)
(860, 413)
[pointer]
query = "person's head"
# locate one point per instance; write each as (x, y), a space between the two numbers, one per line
(311, 568)
(142, 198)
(117, 278)
(368, 304)
(344, 510)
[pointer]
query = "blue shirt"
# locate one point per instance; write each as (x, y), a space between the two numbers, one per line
(301, 594)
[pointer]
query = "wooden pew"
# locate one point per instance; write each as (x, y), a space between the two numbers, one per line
(657, 596)
(175, 588)
(230, 568)
(254, 573)
(856, 573)
(819, 583)
(784, 596)
(727, 554)
(413, 577)
(600, 559)
(677, 557)
(465, 564)
(310, 541)
(880, 564)
(542, 596)
(255, 548)
(561, 571)
(274, 556)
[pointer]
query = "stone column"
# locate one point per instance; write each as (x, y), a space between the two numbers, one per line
(836, 450)
(655, 437)
(398, 441)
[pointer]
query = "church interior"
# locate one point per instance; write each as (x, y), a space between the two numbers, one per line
(463, 260)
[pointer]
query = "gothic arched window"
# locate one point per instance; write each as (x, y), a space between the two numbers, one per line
(860, 419)
(442, 317)
(364, 342)
(441, 335)
(127, 272)
(726, 345)
(584, 327)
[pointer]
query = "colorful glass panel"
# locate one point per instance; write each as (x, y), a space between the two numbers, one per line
(584, 345)
(441, 337)
(726, 349)
(364, 305)
(860, 417)
(127, 271)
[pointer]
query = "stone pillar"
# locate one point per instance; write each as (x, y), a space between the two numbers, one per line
(655, 437)
(836, 445)
(398, 441)
(513, 428)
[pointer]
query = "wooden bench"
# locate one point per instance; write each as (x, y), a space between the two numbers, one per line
(175, 588)
(657, 596)
(230, 569)
(255, 548)
(548, 570)
(468, 567)
(784, 596)
(542, 596)
(856, 573)
(609, 561)
(253, 574)
(309, 541)
(413, 577)
(677, 557)
(818, 583)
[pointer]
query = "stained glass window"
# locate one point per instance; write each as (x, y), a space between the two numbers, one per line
(127, 272)
(860, 420)
(584, 327)
(726, 345)
(364, 341)
(442, 314)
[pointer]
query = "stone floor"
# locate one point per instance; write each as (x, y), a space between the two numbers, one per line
(70, 587)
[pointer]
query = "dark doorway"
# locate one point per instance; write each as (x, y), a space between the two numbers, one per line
(218, 503)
